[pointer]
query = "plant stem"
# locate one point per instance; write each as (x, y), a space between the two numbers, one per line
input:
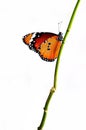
(56, 68)
(63, 42)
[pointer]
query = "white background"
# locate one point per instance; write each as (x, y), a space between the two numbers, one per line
(25, 79)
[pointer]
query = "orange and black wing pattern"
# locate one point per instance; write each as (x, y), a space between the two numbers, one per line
(47, 45)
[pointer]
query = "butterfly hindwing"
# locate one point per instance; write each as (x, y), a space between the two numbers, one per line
(49, 49)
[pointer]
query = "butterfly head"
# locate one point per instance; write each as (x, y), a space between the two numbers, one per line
(60, 36)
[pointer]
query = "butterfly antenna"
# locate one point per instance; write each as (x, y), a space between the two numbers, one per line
(59, 26)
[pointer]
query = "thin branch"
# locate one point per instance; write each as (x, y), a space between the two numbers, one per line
(56, 68)
(63, 42)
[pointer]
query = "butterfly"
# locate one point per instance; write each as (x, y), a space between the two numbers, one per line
(46, 44)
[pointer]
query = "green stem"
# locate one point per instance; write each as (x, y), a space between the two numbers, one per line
(46, 108)
(56, 68)
(63, 42)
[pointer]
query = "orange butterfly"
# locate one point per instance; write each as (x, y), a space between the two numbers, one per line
(47, 45)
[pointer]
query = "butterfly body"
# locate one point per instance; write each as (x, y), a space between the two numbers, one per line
(47, 45)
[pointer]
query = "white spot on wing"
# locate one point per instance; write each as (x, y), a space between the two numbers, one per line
(33, 36)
